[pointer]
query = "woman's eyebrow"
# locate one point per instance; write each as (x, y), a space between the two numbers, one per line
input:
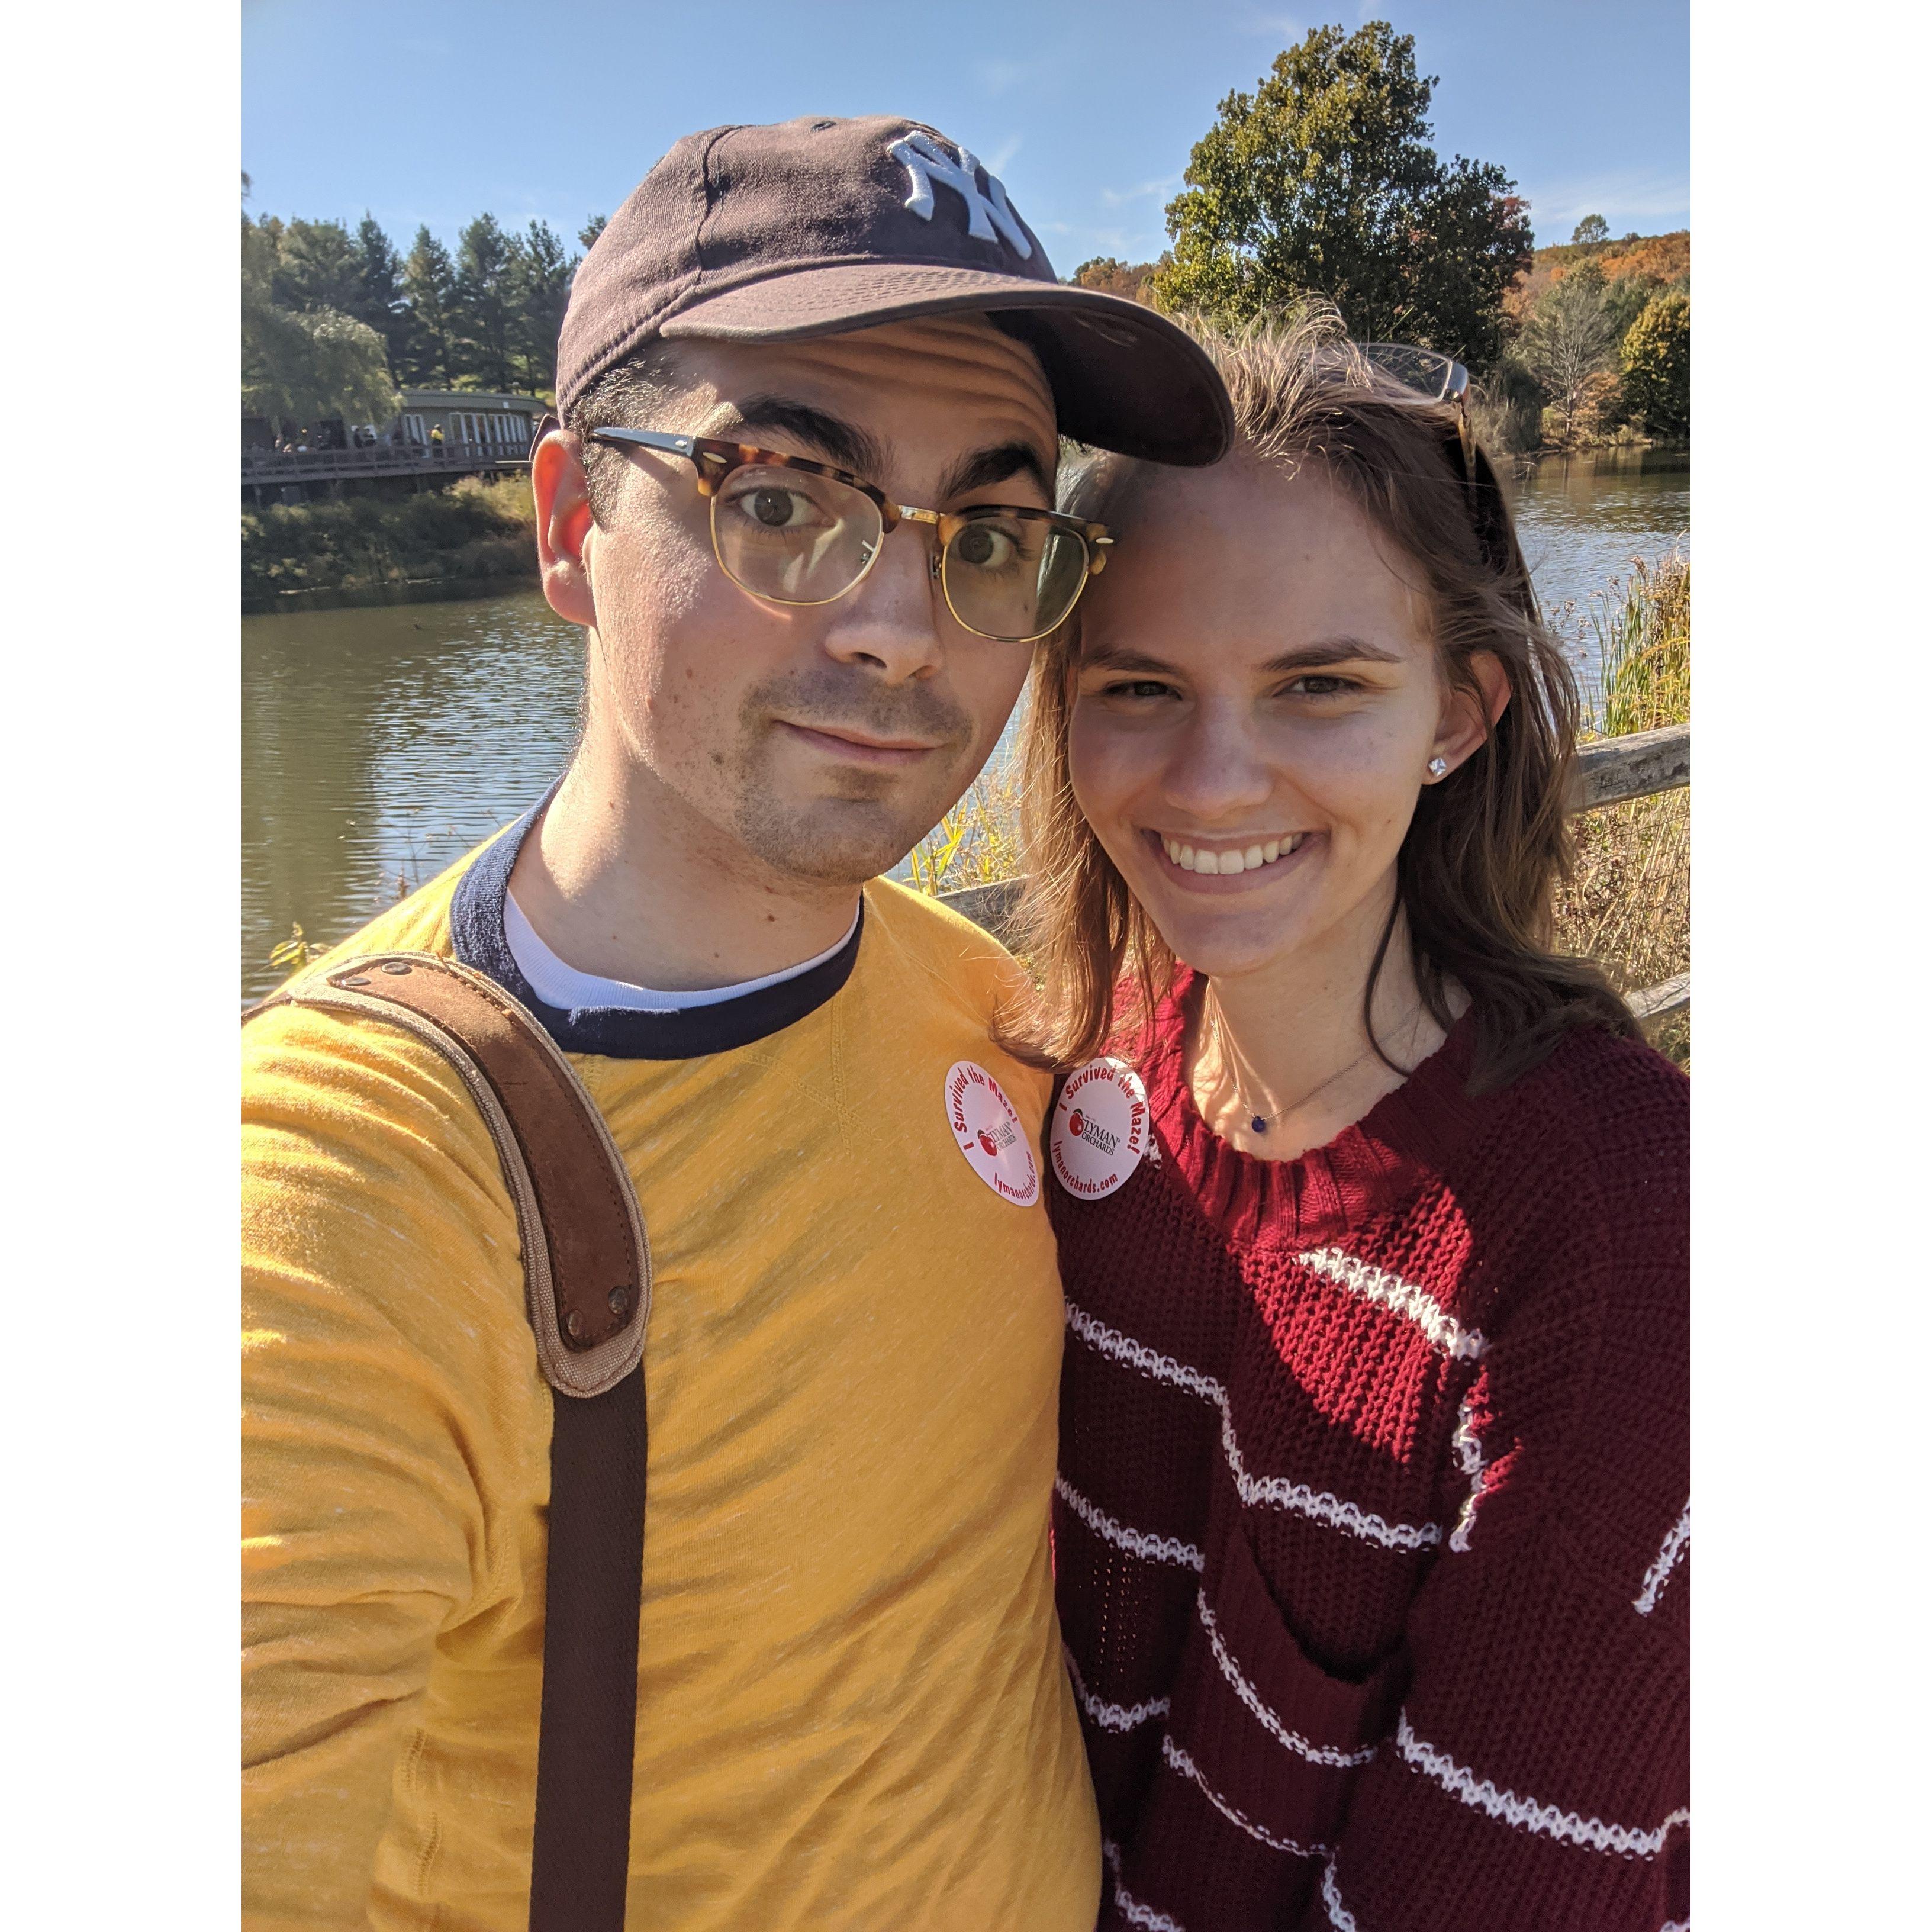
(1332, 650)
(1303, 657)
(1116, 657)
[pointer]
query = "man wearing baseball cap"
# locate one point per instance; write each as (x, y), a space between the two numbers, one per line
(810, 384)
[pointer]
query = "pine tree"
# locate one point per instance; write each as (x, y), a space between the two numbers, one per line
(429, 286)
(380, 304)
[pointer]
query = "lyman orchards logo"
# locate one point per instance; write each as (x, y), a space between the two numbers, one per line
(989, 1133)
(1100, 1129)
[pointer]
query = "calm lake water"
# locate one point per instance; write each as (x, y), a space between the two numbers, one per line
(378, 745)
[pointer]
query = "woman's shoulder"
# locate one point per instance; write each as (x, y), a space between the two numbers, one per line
(1605, 1102)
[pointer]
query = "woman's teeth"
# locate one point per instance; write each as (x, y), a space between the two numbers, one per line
(1236, 858)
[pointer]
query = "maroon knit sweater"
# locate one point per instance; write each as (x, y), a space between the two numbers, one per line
(1373, 1520)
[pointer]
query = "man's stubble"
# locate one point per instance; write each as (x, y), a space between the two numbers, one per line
(872, 819)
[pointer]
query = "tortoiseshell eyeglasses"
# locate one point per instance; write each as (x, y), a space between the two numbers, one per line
(794, 532)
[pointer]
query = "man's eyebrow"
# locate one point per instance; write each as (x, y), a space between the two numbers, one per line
(995, 465)
(839, 442)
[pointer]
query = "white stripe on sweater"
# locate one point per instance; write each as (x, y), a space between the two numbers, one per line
(1097, 1334)
(1525, 1813)
(1137, 1542)
(1401, 1297)
(1277, 1491)
(1111, 1717)
(1469, 1453)
(1658, 1574)
(1132, 1909)
(1181, 1762)
(1325, 1754)
(1339, 1916)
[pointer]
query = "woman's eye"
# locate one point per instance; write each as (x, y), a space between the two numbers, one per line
(1317, 686)
(1137, 687)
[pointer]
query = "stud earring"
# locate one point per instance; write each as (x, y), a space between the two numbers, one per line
(1437, 766)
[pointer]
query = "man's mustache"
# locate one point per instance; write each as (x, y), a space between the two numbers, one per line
(834, 698)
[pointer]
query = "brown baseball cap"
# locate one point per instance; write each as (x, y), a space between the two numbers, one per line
(818, 226)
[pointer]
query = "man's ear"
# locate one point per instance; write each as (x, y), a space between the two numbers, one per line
(564, 526)
(1468, 717)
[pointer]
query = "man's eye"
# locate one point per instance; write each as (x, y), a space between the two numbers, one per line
(988, 544)
(1316, 686)
(776, 509)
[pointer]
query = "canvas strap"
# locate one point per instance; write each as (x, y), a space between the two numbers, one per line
(586, 1269)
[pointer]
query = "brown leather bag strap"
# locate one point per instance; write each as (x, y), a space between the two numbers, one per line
(587, 1286)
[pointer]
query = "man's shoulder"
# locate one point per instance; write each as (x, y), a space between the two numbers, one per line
(306, 1065)
(940, 937)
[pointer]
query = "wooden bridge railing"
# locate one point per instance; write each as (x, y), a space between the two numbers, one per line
(1610, 771)
(267, 467)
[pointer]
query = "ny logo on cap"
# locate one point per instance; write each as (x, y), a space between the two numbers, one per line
(927, 161)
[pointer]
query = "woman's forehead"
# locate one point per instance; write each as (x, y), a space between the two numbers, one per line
(1246, 556)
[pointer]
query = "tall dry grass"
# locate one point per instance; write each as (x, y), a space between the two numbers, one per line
(1628, 903)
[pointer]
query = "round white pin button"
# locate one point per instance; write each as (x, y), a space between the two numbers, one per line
(990, 1134)
(1100, 1129)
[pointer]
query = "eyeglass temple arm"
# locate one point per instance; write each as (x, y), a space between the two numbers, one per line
(649, 438)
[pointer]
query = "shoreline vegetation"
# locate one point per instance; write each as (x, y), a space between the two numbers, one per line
(471, 539)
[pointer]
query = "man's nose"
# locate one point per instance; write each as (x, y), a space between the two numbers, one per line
(890, 622)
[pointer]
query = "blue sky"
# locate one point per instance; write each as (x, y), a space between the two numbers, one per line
(433, 110)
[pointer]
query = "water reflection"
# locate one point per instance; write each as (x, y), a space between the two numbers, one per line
(379, 745)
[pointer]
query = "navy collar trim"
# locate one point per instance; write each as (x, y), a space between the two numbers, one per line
(617, 1032)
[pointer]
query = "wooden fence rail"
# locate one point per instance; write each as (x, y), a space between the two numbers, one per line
(1610, 771)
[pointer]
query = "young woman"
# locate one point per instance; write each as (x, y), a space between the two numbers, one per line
(1372, 1514)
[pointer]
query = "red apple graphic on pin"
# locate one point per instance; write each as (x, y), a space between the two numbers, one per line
(991, 1146)
(1074, 1121)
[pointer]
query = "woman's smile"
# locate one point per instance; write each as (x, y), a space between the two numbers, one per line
(1229, 860)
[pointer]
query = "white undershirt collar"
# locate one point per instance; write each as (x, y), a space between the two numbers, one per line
(558, 985)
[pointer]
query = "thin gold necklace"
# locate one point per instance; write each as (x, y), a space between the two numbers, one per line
(1259, 1123)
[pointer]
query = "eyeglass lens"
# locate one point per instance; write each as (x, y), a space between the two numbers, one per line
(798, 537)
(1012, 577)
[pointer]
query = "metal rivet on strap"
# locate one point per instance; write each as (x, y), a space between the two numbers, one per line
(395, 966)
(620, 1299)
(573, 1325)
(357, 980)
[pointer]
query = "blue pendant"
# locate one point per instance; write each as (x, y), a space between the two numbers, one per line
(1259, 1125)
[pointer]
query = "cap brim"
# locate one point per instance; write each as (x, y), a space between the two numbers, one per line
(1123, 377)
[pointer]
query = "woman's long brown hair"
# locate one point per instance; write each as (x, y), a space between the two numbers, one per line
(1478, 870)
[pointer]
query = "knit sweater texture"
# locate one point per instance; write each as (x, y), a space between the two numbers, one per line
(1372, 1515)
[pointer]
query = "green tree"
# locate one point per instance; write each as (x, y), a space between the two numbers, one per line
(1323, 182)
(316, 266)
(1592, 228)
(429, 288)
(540, 291)
(380, 303)
(591, 228)
(302, 365)
(1568, 340)
(1656, 366)
(487, 269)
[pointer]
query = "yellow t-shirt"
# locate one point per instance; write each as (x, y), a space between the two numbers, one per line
(852, 1709)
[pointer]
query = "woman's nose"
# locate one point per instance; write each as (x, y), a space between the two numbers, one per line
(1217, 770)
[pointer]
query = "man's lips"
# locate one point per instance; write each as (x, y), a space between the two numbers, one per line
(860, 748)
